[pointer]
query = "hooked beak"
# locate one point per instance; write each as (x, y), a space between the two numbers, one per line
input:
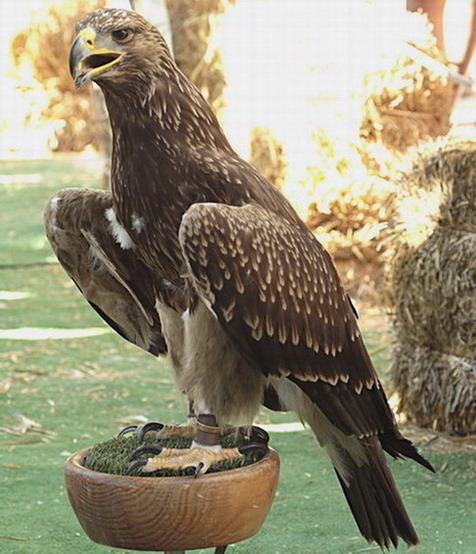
(86, 61)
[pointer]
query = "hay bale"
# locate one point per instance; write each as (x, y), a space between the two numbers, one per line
(434, 292)
(436, 389)
(431, 287)
(440, 189)
(406, 102)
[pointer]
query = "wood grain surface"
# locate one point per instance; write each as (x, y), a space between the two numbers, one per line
(172, 513)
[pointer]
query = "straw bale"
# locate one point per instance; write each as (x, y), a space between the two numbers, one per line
(439, 188)
(433, 292)
(406, 102)
(436, 389)
(431, 270)
(431, 286)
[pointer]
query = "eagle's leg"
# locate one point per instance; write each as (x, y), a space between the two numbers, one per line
(173, 330)
(223, 386)
(205, 451)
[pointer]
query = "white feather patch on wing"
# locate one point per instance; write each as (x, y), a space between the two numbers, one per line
(54, 203)
(138, 223)
(120, 235)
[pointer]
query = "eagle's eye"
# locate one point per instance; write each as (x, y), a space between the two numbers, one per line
(122, 35)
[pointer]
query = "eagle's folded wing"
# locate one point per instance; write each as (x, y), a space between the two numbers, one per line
(112, 279)
(276, 292)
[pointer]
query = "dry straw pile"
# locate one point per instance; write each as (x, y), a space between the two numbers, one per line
(45, 45)
(432, 288)
(350, 188)
(406, 102)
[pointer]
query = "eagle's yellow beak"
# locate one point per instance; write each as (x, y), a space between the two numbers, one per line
(86, 61)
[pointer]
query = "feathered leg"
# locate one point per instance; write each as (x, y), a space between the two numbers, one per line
(233, 395)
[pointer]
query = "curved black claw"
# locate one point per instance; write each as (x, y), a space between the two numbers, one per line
(136, 464)
(256, 447)
(198, 469)
(146, 449)
(151, 426)
(259, 435)
(126, 430)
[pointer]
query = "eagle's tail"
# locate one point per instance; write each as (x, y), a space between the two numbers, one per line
(362, 470)
(373, 497)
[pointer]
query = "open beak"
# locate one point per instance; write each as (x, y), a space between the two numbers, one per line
(86, 61)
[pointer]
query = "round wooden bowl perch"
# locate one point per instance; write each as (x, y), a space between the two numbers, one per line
(172, 513)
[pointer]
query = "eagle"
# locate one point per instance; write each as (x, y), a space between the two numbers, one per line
(195, 254)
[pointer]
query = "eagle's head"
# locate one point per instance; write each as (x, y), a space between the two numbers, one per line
(115, 47)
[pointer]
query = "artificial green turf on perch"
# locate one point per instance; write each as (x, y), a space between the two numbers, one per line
(114, 456)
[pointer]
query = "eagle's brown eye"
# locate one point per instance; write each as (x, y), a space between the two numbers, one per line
(122, 35)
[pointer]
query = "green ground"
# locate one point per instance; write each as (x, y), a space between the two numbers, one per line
(79, 390)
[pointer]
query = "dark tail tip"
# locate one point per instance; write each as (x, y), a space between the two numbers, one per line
(397, 446)
(374, 499)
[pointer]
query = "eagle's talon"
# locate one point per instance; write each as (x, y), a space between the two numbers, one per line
(146, 449)
(136, 464)
(141, 431)
(151, 426)
(256, 447)
(199, 469)
(127, 429)
(257, 434)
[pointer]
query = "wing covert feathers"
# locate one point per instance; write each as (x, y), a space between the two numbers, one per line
(273, 278)
(276, 292)
(113, 280)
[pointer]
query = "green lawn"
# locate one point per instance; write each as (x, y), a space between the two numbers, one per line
(79, 389)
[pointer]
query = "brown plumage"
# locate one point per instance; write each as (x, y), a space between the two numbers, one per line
(250, 303)
(114, 282)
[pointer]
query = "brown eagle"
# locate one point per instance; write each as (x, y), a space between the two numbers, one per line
(193, 252)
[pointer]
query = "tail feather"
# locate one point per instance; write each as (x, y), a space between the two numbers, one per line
(373, 498)
(362, 469)
(397, 446)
